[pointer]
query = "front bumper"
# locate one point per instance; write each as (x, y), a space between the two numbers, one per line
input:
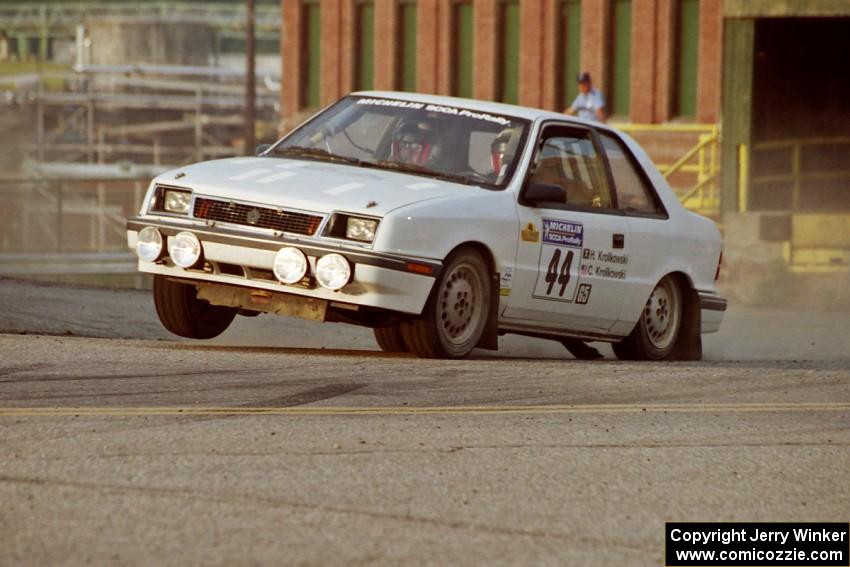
(384, 281)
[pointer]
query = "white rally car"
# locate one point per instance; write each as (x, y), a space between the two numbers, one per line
(441, 223)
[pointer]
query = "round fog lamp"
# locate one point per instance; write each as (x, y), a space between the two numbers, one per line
(290, 265)
(184, 249)
(333, 271)
(149, 244)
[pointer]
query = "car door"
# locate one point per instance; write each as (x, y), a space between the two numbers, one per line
(570, 258)
(650, 238)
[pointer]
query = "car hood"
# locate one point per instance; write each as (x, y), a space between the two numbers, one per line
(309, 185)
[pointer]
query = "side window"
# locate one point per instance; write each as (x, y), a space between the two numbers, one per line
(569, 160)
(633, 191)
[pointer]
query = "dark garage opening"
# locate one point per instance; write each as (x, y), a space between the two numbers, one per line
(801, 115)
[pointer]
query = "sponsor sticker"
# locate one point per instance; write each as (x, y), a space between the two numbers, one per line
(507, 277)
(529, 233)
(563, 233)
(452, 110)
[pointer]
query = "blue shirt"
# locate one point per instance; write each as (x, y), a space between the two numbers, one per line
(586, 105)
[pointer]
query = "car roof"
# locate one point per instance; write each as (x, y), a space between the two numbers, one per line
(477, 105)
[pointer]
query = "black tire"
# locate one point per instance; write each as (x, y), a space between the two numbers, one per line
(580, 349)
(390, 339)
(624, 351)
(657, 331)
(182, 313)
(456, 313)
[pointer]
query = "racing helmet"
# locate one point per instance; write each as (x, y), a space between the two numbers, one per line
(503, 148)
(413, 143)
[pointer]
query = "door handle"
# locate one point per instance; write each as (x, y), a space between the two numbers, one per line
(619, 241)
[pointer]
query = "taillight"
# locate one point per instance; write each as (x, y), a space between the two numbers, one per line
(719, 261)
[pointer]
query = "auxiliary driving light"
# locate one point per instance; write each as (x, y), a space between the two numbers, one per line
(290, 265)
(149, 244)
(333, 271)
(184, 249)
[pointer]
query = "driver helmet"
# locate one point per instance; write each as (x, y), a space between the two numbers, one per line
(413, 143)
(503, 148)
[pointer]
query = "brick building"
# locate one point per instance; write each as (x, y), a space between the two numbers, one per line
(655, 60)
(770, 75)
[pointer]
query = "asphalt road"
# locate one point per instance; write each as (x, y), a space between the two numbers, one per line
(265, 447)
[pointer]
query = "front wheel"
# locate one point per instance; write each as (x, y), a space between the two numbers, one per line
(456, 313)
(182, 313)
(390, 339)
(657, 330)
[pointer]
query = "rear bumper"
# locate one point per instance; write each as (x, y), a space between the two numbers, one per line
(382, 281)
(712, 309)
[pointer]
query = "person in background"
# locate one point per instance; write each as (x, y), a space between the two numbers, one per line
(589, 104)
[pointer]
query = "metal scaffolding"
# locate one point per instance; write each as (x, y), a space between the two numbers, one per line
(60, 19)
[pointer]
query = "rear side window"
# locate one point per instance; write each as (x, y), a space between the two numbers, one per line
(634, 195)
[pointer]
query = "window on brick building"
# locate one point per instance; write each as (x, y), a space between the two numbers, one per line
(462, 47)
(619, 64)
(686, 58)
(364, 45)
(569, 50)
(508, 87)
(406, 42)
(311, 33)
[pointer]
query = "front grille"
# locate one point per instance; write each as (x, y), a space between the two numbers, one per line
(260, 217)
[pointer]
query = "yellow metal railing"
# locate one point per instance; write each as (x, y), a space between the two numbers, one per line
(701, 160)
(743, 177)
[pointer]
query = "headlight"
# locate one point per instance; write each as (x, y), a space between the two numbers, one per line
(290, 265)
(360, 229)
(333, 271)
(184, 249)
(149, 244)
(176, 201)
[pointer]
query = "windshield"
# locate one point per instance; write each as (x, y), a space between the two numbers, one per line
(444, 142)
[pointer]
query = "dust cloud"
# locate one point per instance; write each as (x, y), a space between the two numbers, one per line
(747, 333)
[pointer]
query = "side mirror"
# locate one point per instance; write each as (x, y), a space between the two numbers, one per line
(538, 192)
(261, 149)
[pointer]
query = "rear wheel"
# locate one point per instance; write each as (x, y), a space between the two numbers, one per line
(657, 330)
(390, 339)
(456, 313)
(182, 313)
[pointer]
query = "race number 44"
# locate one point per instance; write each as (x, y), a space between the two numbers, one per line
(560, 275)
(560, 258)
